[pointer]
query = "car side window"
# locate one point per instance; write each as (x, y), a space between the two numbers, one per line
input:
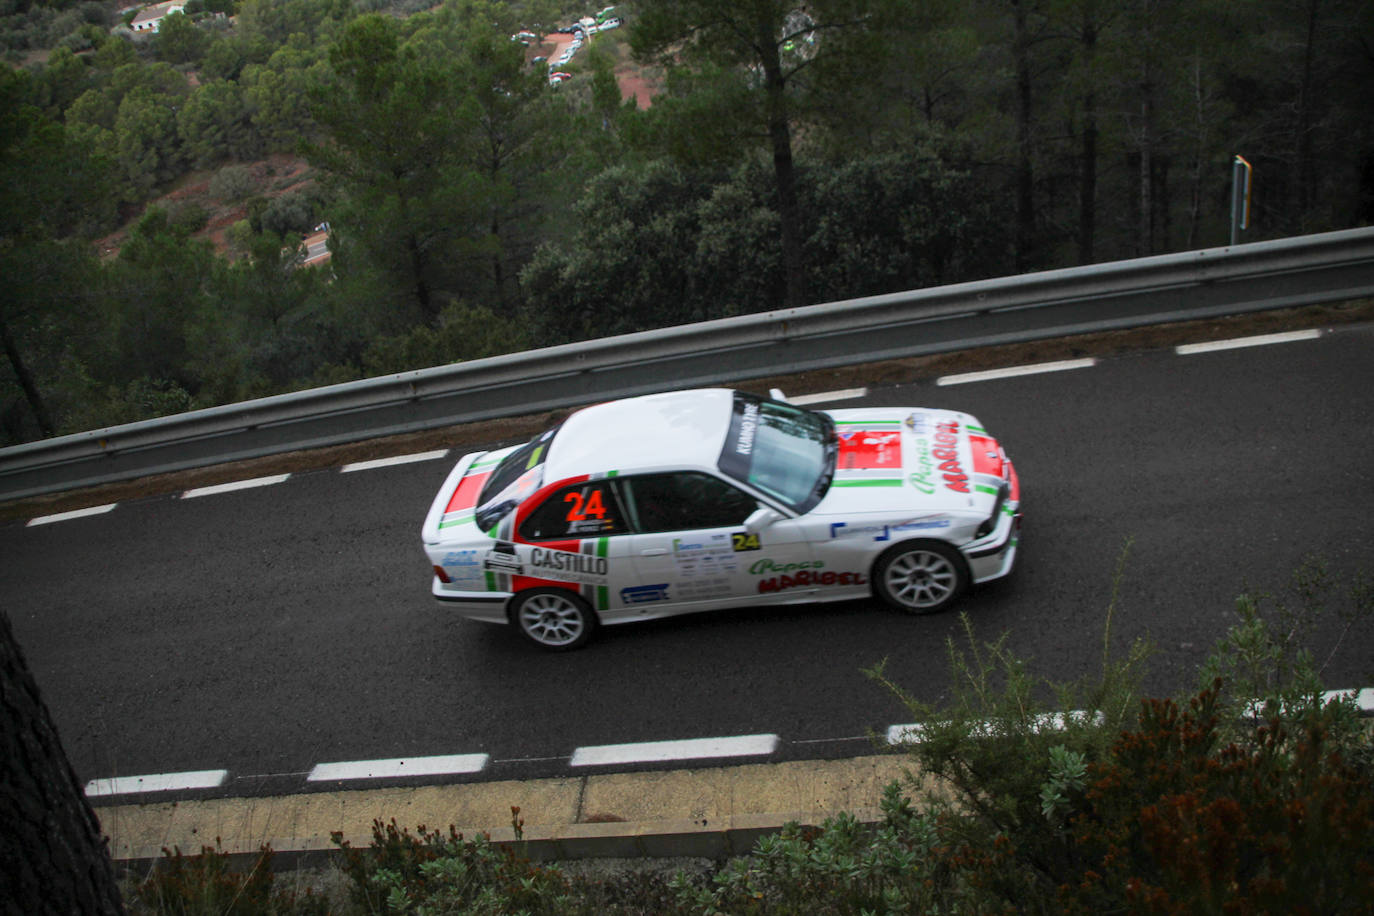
(685, 500)
(585, 510)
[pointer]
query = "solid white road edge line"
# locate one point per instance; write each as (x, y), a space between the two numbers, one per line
(690, 749)
(398, 767)
(157, 782)
(1014, 371)
(1236, 343)
(844, 394)
(237, 485)
(389, 462)
(66, 516)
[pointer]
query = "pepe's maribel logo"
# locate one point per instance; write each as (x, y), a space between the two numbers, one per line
(946, 451)
(803, 574)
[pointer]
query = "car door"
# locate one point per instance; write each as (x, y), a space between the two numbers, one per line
(574, 538)
(691, 550)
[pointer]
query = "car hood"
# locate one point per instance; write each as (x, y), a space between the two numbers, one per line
(913, 459)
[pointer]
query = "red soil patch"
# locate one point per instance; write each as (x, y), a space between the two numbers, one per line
(634, 85)
(274, 176)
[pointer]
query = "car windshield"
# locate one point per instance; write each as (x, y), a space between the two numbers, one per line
(782, 450)
(516, 477)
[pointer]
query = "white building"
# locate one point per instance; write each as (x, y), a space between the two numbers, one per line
(150, 17)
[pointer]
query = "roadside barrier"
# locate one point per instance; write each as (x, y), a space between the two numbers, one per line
(1306, 270)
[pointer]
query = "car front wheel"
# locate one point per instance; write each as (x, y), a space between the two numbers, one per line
(920, 577)
(553, 618)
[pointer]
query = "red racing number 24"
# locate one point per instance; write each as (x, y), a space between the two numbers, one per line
(582, 509)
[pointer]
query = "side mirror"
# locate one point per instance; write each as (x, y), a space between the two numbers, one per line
(760, 519)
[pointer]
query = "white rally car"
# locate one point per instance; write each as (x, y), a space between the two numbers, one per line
(697, 500)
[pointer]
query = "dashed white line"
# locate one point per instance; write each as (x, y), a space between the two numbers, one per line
(1050, 721)
(1015, 371)
(844, 394)
(602, 755)
(390, 462)
(1235, 343)
(690, 749)
(67, 516)
(1363, 698)
(398, 767)
(157, 782)
(236, 485)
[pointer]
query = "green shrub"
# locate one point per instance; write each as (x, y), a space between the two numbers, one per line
(188, 217)
(434, 873)
(1154, 805)
(1178, 820)
(204, 885)
(232, 183)
(840, 867)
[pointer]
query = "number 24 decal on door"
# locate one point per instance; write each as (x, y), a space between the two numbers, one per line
(743, 541)
(584, 508)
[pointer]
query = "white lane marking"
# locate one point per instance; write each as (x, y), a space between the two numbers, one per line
(389, 462)
(1363, 698)
(157, 782)
(1236, 343)
(1052, 721)
(237, 485)
(66, 516)
(691, 749)
(1014, 371)
(844, 394)
(399, 766)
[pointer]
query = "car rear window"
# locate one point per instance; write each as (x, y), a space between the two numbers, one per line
(516, 477)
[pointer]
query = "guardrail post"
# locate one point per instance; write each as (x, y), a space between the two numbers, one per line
(1241, 173)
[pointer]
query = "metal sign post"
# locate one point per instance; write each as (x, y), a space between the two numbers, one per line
(1241, 173)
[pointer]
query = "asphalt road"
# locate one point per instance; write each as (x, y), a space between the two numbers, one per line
(266, 630)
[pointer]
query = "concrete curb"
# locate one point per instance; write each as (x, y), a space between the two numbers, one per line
(710, 812)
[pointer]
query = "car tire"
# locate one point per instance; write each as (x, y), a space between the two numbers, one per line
(920, 577)
(553, 618)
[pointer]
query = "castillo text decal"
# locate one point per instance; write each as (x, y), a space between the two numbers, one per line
(946, 452)
(575, 567)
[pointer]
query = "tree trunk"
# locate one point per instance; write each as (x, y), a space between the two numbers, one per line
(785, 171)
(1199, 157)
(419, 285)
(52, 857)
(1303, 172)
(1025, 178)
(26, 382)
(1087, 159)
(1145, 178)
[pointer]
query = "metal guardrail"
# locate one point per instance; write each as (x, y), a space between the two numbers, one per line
(1219, 281)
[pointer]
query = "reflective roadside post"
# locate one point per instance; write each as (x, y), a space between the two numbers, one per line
(1241, 173)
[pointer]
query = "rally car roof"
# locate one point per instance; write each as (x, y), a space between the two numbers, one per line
(676, 429)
